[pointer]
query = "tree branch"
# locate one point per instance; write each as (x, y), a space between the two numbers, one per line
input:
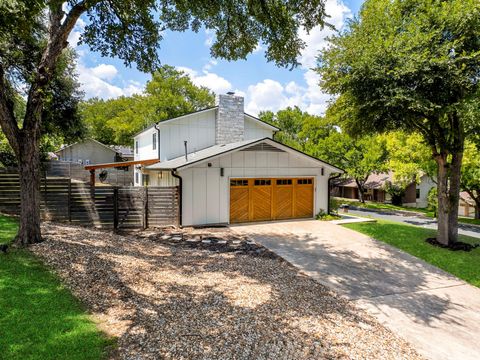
(8, 123)
(57, 42)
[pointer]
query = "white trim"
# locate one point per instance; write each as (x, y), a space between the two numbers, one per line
(273, 143)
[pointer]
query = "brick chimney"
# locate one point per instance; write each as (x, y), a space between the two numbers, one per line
(229, 123)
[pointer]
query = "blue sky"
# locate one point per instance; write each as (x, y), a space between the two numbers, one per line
(265, 86)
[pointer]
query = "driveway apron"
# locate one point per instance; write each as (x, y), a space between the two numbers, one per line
(436, 312)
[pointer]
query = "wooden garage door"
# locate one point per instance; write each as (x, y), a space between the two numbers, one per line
(270, 199)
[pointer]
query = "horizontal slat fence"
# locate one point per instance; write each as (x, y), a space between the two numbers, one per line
(67, 200)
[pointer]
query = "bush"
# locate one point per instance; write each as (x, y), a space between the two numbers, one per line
(334, 205)
(323, 215)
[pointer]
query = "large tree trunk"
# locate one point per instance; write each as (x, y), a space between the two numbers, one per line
(448, 182)
(454, 197)
(29, 171)
(442, 191)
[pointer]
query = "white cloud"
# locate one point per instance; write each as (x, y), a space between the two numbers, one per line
(104, 71)
(74, 36)
(214, 82)
(272, 95)
(316, 38)
(210, 37)
(95, 82)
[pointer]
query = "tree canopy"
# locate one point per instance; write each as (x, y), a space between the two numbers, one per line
(413, 66)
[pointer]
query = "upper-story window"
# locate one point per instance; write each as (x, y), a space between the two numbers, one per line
(154, 141)
(136, 147)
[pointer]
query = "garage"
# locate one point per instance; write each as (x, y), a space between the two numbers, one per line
(263, 199)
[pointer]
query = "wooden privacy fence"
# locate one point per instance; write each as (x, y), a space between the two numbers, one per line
(107, 206)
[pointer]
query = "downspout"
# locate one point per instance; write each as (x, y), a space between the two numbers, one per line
(158, 139)
(180, 200)
(329, 190)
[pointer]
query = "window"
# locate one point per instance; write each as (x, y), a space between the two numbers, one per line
(304, 181)
(262, 182)
(136, 178)
(87, 162)
(239, 182)
(136, 147)
(284, 181)
(418, 194)
(145, 179)
(154, 141)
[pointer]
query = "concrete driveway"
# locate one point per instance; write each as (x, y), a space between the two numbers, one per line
(436, 312)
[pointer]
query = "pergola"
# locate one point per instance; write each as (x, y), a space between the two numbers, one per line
(94, 167)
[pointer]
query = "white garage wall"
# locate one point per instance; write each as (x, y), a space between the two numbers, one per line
(205, 196)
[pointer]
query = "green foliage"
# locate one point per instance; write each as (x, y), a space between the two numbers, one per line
(396, 191)
(40, 319)
(130, 30)
(406, 65)
(334, 205)
(359, 157)
(409, 157)
(411, 239)
(470, 178)
(324, 216)
(298, 128)
(432, 200)
(170, 93)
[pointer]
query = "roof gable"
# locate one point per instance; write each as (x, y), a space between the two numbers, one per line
(264, 144)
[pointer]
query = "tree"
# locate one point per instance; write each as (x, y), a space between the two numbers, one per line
(412, 66)
(170, 93)
(128, 30)
(359, 157)
(61, 122)
(297, 128)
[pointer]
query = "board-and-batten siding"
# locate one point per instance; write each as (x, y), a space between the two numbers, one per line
(206, 194)
(253, 130)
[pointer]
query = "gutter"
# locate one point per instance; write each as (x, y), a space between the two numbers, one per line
(329, 190)
(180, 200)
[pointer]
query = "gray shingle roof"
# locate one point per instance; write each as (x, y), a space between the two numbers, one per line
(200, 155)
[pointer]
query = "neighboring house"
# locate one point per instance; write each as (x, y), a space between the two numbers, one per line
(90, 151)
(229, 168)
(416, 195)
(466, 205)
(125, 152)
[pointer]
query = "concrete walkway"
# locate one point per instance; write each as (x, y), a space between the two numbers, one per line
(436, 312)
(422, 221)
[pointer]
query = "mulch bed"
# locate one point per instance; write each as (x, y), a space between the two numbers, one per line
(457, 246)
(165, 298)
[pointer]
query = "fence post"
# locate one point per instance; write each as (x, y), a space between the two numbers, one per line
(115, 207)
(69, 200)
(145, 208)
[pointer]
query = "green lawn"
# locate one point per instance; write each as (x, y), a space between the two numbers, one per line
(39, 318)
(411, 239)
(469, 221)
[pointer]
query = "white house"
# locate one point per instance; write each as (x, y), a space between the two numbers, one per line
(229, 168)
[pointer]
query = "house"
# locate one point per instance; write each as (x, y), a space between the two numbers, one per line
(90, 151)
(229, 169)
(416, 195)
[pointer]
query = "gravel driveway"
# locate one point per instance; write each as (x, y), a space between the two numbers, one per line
(177, 302)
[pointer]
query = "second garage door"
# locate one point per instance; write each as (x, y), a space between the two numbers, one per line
(270, 199)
